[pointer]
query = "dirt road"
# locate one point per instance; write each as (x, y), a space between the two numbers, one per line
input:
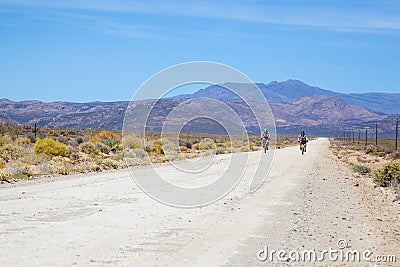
(104, 219)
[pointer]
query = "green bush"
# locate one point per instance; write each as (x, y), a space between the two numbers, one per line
(111, 163)
(9, 152)
(64, 170)
(109, 138)
(95, 167)
(388, 174)
(26, 170)
(371, 149)
(381, 154)
(222, 150)
(4, 176)
(361, 169)
(103, 148)
(50, 147)
(89, 148)
(72, 153)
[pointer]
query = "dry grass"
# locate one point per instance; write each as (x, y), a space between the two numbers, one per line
(371, 161)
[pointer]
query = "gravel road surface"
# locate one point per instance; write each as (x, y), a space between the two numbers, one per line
(104, 219)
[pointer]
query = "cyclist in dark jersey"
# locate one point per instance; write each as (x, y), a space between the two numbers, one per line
(303, 140)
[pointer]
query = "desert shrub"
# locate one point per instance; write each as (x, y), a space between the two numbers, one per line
(356, 147)
(23, 141)
(118, 156)
(102, 147)
(49, 147)
(245, 149)
(26, 170)
(222, 150)
(110, 139)
(79, 140)
(157, 148)
(111, 163)
(6, 139)
(89, 148)
(361, 169)
(2, 164)
(388, 174)
(204, 146)
(381, 154)
(140, 153)
(94, 166)
(222, 145)
(147, 148)
(22, 171)
(228, 143)
(72, 153)
(395, 155)
(236, 144)
(186, 143)
(10, 151)
(72, 143)
(63, 139)
(174, 157)
(164, 159)
(169, 146)
(196, 146)
(184, 149)
(371, 149)
(132, 142)
(4, 176)
(64, 170)
(254, 147)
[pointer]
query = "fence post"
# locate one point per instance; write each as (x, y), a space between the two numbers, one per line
(353, 136)
(397, 131)
(366, 137)
(376, 134)
(35, 131)
(359, 137)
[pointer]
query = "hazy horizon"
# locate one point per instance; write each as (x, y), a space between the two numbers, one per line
(186, 89)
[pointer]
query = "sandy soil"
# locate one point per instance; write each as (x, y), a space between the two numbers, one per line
(307, 202)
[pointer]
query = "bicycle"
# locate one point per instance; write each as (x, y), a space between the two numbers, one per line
(265, 144)
(303, 148)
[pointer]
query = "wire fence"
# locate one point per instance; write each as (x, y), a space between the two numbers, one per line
(370, 136)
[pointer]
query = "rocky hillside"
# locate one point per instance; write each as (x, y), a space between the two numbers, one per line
(287, 91)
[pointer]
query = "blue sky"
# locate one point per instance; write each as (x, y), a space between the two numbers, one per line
(104, 50)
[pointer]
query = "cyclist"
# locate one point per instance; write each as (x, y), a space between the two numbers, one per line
(303, 140)
(265, 136)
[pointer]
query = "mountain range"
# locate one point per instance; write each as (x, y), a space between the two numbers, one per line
(295, 106)
(287, 91)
